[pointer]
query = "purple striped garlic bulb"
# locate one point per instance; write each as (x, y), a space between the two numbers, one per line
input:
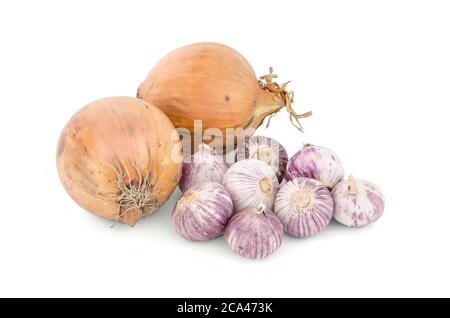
(203, 166)
(254, 232)
(304, 207)
(267, 150)
(357, 202)
(250, 183)
(202, 212)
(316, 162)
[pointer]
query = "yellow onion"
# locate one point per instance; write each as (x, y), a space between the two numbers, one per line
(213, 83)
(116, 158)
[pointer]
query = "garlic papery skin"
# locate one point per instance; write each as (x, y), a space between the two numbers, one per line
(304, 207)
(203, 166)
(357, 202)
(202, 212)
(254, 233)
(316, 162)
(250, 183)
(267, 150)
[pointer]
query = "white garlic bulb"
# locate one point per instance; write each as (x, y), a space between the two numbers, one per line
(251, 183)
(357, 203)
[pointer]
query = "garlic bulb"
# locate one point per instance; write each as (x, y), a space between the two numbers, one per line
(250, 183)
(254, 232)
(357, 203)
(304, 207)
(316, 162)
(202, 212)
(267, 150)
(203, 166)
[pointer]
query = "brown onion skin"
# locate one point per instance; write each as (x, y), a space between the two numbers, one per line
(210, 82)
(105, 132)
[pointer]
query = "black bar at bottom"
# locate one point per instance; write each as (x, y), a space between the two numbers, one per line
(211, 307)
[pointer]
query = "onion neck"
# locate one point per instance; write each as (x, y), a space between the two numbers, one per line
(271, 98)
(265, 105)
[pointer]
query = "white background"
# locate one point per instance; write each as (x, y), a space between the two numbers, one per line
(376, 74)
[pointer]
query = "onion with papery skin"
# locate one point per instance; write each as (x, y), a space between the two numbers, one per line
(316, 162)
(304, 207)
(254, 233)
(213, 83)
(203, 212)
(250, 183)
(357, 202)
(114, 158)
(267, 150)
(203, 166)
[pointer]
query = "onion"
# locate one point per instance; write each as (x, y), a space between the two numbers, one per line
(213, 83)
(267, 150)
(357, 203)
(205, 165)
(202, 212)
(251, 182)
(254, 233)
(114, 158)
(304, 206)
(316, 162)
